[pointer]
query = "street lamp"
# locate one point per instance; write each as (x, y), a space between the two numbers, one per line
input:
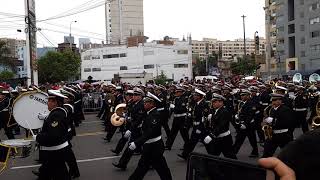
(70, 34)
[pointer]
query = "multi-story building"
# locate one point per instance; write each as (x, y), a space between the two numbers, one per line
(227, 49)
(13, 45)
(298, 36)
(124, 18)
(174, 58)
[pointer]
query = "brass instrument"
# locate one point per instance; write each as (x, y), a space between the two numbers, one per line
(118, 118)
(314, 78)
(297, 78)
(267, 128)
(316, 119)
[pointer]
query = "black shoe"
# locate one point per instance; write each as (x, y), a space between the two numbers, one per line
(119, 166)
(75, 176)
(115, 152)
(37, 173)
(183, 157)
(254, 155)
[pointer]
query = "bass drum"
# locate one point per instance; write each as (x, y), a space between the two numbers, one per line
(28, 106)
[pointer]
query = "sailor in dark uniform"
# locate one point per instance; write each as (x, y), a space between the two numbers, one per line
(69, 154)
(5, 113)
(200, 114)
(180, 113)
(300, 108)
(151, 142)
(246, 125)
(133, 129)
(218, 139)
(53, 140)
(162, 108)
(280, 119)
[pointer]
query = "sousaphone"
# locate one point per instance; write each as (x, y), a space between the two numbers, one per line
(314, 78)
(118, 118)
(297, 78)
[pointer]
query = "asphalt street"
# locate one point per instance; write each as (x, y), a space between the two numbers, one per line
(95, 158)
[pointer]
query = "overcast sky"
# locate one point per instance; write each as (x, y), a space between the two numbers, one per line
(175, 18)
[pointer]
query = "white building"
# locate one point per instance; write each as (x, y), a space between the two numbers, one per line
(124, 18)
(174, 59)
(22, 56)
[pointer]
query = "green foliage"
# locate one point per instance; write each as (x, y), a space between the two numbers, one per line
(199, 69)
(161, 79)
(4, 59)
(56, 66)
(244, 66)
(6, 75)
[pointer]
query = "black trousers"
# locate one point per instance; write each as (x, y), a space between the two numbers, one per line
(4, 117)
(277, 140)
(71, 161)
(222, 145)
(123, 141)
(152, 155)
(164, 117)
(194, 139)
(53, 166)
(301, 120)
(178, 125)
(241, 136)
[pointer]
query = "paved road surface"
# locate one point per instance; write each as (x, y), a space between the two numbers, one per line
(95, 158)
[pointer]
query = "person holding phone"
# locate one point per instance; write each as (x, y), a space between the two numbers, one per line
(281, 169)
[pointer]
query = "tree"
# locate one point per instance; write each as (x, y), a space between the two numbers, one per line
(244, 66)
(4, 59)
(6, 75)
(199, 68)
(161, 79)
(56, 66)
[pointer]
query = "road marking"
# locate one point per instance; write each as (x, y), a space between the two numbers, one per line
(79, 161)
(91, 134)
(92, 122)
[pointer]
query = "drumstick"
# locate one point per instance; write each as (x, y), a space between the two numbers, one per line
(29, 127)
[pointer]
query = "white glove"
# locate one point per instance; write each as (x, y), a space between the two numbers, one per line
(202, 119)
(209, 117)
(127, 134)
(268, 120)
(109, 101)
(172, 106)
(243, 127)
(257, 112)
(236, 116)
(42, 116)
(132, 146)
(34, 137)
(198, 131)
(207, 140)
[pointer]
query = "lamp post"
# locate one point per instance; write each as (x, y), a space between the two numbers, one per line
(244, 36)
(70, 34)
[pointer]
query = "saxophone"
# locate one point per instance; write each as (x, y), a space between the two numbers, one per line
(267, 128)
(316, 119)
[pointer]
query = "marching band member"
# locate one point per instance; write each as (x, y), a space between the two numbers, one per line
(300, 108)
(151, 142)
(5, 113)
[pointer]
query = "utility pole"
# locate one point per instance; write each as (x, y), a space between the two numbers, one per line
(70, 34)
(244, 35)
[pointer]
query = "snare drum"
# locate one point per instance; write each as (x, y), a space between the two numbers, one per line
(21, 147)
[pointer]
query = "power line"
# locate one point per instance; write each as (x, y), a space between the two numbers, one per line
(46, 38)
(11, 14)
(77, 12)
(63, 32)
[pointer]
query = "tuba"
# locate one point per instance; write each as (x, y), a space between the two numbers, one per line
(297, 78)
(316, 119)
(118, 118)
(314, 78)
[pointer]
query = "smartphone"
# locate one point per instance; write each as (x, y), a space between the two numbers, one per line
(207, 167)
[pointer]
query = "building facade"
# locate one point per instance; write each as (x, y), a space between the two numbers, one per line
(174, 60)
(124, 18)
(13, 46)
(297, 36)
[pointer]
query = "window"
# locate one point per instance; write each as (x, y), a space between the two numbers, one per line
(123, 55)
(302, 27)
(315, 34)
(96, 69)
(123, 68)
(87, 70)
(109, 56)
(303, 53)
(150, 53)
(314, 6)
(301, 2)
(87, 58)
(95, 57)
(302, 40)
(291, 29)
(280, 29)
(149, 66)
(181, 66)
(301, 14)
(182, 52)
(315, 48)
(315, 20)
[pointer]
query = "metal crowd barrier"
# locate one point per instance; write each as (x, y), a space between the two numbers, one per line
(92, 102)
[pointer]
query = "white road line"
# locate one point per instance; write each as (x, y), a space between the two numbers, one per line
(79, 161)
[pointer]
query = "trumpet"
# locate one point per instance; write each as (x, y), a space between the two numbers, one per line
(267, 129)
(118, 118)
